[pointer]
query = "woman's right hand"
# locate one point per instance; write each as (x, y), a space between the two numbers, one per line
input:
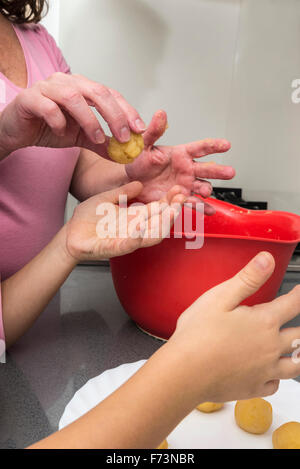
(231, 352)
(57, 113)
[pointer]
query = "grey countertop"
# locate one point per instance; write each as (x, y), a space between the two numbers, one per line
(83, 332)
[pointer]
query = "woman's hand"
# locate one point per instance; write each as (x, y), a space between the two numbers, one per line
(234, 352)
(161, 167)
(57, 113)
(101, 228)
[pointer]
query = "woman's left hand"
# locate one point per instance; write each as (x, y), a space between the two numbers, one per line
(161, 167)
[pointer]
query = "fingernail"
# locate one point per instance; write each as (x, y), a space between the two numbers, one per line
(262, 260)
(125, 134)
(140, 124)
(206, 191)
(230, 172)
(99, 136)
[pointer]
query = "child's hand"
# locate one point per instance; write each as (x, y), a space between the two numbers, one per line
(236, 352)
(101, 229)
(220, 351)
(161, 167)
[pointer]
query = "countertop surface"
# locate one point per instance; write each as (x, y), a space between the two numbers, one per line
(83, 332)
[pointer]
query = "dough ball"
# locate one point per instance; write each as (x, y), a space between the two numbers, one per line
(209, 407)
(125, 153)
(287, 436)
(254, 415)
(163, 445)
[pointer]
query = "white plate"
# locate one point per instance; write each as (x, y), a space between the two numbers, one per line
(197, 430)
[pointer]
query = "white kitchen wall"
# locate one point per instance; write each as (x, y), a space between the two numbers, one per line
(171, 54)
(51, 20)
(264, 123)
(220, 68)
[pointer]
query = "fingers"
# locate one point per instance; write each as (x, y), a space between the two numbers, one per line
(111, 105)
(207, 147)
(76, 94)
(173, 193)
(161, 216)
(131, 191)
(72, 101)
(248, 281)
(129, 245)
(32, 103)
(135, 121)
(199, 205)
(288, 368)
(203, 188)
(152, 221)
(139, 225)
(156, 128)
(290, 340)
(145, 222)
(286, 307)
(271, 387)
(213, 171)
(110, 110)
(171, 205)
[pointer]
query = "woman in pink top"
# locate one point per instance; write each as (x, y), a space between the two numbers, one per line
(46, 118)
(54, 114)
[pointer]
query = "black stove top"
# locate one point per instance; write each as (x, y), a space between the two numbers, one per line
(235, 196)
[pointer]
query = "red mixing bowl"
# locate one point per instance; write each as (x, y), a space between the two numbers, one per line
(155, 285)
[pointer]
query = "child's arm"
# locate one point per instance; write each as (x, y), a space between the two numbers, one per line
(25, 294)
(219, 352)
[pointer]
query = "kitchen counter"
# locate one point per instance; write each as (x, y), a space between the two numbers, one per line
(83, 332)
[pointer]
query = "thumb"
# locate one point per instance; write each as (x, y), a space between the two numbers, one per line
(156, 129)
(131, 190)
(247, 282)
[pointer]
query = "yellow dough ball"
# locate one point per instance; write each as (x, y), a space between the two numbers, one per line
(254, 415)
(209, 407)
(287, 436)
(163, 445)
(125, 153)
